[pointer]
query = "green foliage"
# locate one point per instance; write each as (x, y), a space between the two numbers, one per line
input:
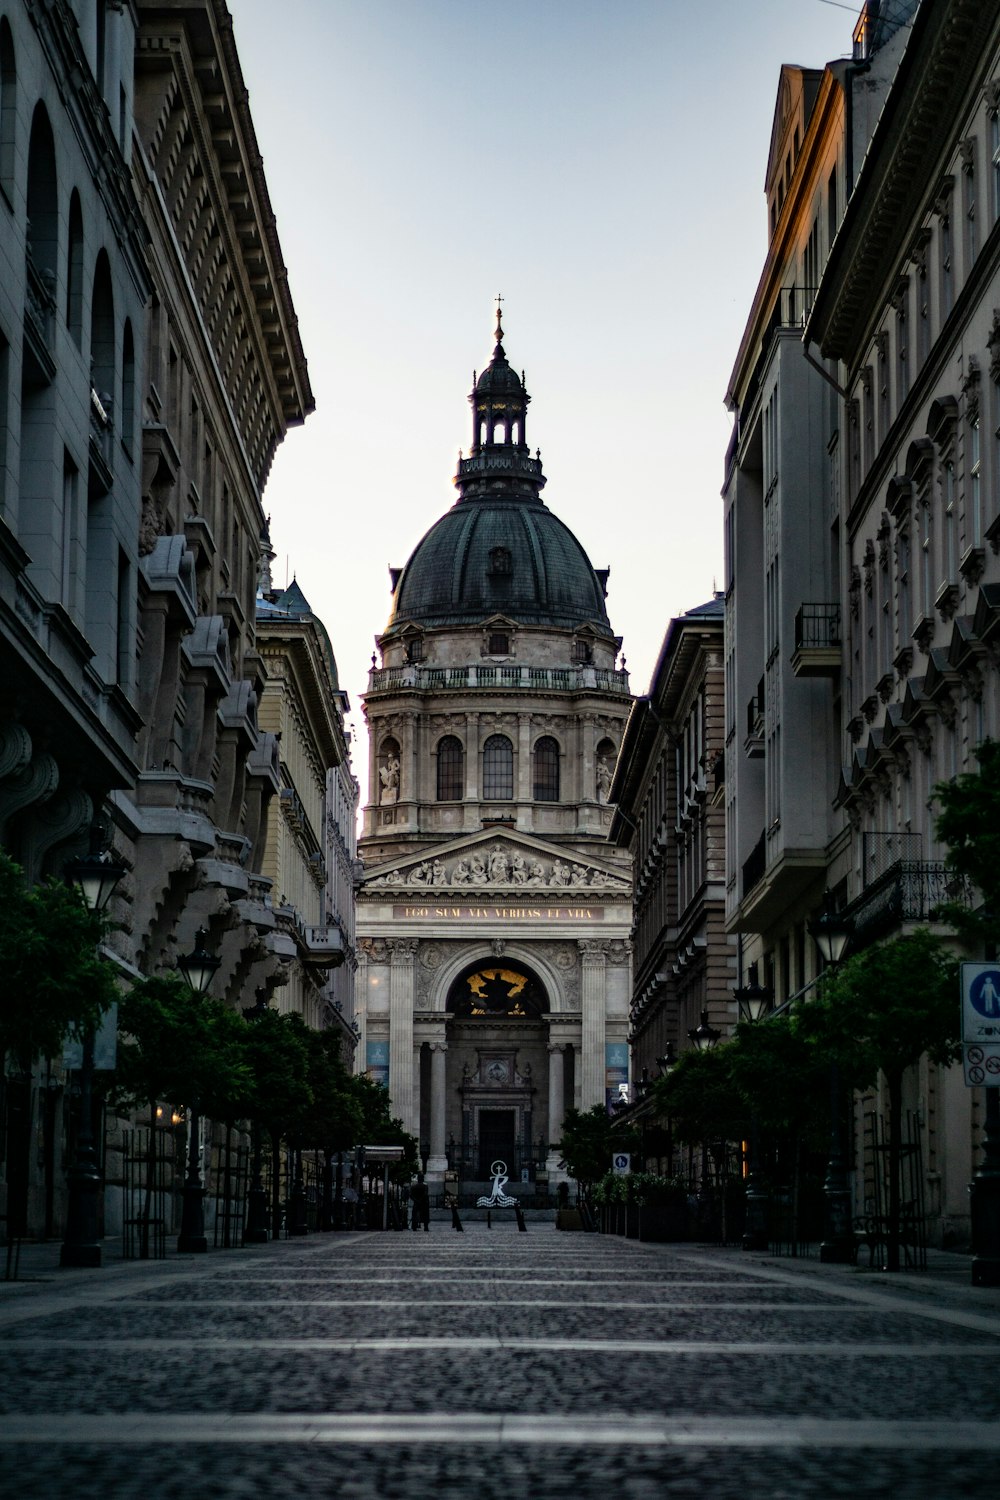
(587, 1143)
(780, 1078)
(188, 1048)
(969, 823)
(611, 1188)
(654, 1191)
(330, 1116)
(700, 1097)
(54, 979)
(884, 1008)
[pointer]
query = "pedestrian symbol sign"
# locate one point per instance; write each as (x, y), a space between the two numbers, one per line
(980, 1003)
(621, 1162)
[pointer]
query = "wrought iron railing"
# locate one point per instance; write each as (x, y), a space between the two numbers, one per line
(817, 626)
(908, 891)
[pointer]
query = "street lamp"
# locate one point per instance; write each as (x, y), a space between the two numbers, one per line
(754, 1001)
(196, 969)
(831, 934)
(703, 1036)
(255, 1231)
(94, 876)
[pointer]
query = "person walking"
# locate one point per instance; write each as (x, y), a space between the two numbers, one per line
(421, 1204)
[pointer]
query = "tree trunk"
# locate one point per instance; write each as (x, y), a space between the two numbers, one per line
(895, 1084)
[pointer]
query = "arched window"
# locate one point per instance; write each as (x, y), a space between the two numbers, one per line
(450, 768)
(43, 211)
(546, 779)
(498, 768)
(8, 107)
(74, 270)
(102, 336)
(128, 390)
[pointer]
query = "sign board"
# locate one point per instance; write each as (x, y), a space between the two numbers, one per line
(621, 1162)
(980, 984)
(981, 1062)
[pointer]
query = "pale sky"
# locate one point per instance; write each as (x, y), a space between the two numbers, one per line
(599, 164)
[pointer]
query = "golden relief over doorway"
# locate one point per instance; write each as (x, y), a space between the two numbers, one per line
(496, 992)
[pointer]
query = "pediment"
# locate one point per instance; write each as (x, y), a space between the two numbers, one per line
(492, 862)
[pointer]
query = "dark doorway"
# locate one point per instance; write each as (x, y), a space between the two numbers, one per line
(497, 1139)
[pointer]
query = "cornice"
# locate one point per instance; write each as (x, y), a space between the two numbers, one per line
(946, 49)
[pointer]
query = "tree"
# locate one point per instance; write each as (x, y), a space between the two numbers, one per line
(587, 1145)
(778, 1076)
(184, 1047)
(54, 978)
(701, 1099)
(881, 1011)
(969, 823)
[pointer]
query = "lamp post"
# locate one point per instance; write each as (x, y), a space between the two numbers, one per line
(754, 1001)
(255, 1232)
(196, 969)
(831, 935)
(94, 876)
(703, 1038)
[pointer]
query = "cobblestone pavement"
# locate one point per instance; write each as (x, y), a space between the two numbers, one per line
(495, 1364)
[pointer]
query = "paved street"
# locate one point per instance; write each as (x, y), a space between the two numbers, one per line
(493, 1364)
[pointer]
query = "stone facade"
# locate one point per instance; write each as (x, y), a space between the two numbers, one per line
(669, 814)
(493, 919)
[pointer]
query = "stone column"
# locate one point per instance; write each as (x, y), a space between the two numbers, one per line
(361, 1010)
(437, 1162)
(524, 769)
(557, 1064)
(402, 952)
(472, 814)
(593, 956)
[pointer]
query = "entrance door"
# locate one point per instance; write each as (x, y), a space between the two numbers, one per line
(497, 1140)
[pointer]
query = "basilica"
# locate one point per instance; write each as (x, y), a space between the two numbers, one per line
(493, 916)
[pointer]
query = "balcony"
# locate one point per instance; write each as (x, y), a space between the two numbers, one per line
(908, 891)
(323, 946)
(755, 865)
(753, 745)
(519, 679)
(817, 651)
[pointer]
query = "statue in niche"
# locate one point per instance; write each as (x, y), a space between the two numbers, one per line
(519, 870)
(499, 869)
(603, 780)
(389, 777)
(461, 874)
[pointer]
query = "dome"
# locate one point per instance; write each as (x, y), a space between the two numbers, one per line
(499, 550)
(498, 379)
(509, 557)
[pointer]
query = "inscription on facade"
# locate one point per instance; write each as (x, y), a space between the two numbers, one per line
(503, 913)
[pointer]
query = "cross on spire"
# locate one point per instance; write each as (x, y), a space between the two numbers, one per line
(499, 333)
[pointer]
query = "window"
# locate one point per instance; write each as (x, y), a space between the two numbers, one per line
(498, 644)
(947, 268)
(969, 207)
(546, 779)
(950, 519)
(8, 107)
(450, 768)
(995, 158)
(74, 270)
(498, 768)
(831, 209)
(128, 391)
(975, 521)
(500, 562)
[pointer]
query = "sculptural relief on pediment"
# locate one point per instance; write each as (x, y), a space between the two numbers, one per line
(498, 868)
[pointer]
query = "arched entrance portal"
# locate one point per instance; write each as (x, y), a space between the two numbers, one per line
(497, 1070)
